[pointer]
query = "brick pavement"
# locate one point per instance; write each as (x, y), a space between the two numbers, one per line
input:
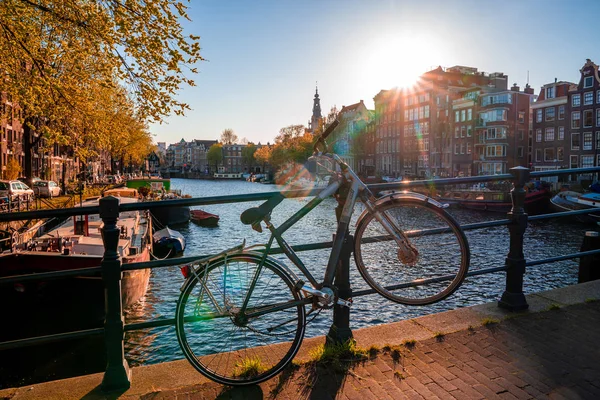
(552, 354)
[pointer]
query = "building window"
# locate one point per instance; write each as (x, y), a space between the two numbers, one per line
(521, 134)
(587, 161)
(597, 96)
(561, 133)
(463, 129)
(549, 154)
(588, 98)
(456, 131)
(469, 147)
(560, 153)
(550, 114)
(456, 148)
(456, 116)
(550, 92)
(538, 155)
(573, 161)
(521, 117)
(597, 140)
(574, 141)
(598, 117)
(575, 120)
(470, 131)
(462, 148)
(588, 82)
(549, 135)
(538, 135)
(576, 100)
(561, 112)
(469, 114)
(587, 140)
(520, 151)
(538, 115)
(463, 115)
(588, 118)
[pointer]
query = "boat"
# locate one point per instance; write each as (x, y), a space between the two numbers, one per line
(159, 189)
(537, 198)
(204, 218)
(167, 243)
(77, 243)
(569, 201)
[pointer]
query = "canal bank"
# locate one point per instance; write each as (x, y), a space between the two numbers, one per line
(473, 352)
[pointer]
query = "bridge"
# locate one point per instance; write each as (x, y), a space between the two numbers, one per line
(513, 301)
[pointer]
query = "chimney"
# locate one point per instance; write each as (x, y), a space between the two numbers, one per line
(528, 89)
(515, 88)
(555, 80)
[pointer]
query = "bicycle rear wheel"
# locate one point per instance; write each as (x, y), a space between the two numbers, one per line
(233, 347)
(442, 248)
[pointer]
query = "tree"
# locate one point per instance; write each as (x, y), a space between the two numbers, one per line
(228, 137)
(63, 52)
(263, 155)
(215, 155)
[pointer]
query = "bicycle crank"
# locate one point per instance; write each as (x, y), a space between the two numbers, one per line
(325, 296)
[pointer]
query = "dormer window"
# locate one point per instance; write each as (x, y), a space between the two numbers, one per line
(588, 82)
(551, 92)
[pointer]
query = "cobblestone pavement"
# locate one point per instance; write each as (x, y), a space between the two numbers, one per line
(552, 354)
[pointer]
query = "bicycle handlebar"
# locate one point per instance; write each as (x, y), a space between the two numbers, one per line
(323, 136)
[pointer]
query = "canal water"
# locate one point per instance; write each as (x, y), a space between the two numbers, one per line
(489, 248)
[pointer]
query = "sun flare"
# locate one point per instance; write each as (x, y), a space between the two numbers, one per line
(398, 60)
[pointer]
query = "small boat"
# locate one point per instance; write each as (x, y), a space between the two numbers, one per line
(537, 199)
(569, 201)
(167, 243)
(204, 218)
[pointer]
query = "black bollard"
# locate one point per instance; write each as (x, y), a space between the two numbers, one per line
(117, 375)
(589, 266)
(340, 331)
(513, 298)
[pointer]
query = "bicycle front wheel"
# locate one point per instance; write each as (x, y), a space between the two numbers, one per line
(439, 252)
(236, 347)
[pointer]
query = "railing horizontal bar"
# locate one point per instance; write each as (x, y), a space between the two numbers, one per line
(562, 214)
(46, 213)
(51, 275)
(13, 344)
(562, 258)
(150, 324)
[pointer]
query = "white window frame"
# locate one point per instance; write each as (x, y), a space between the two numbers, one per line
(587, 112)
(585, 82)
(549, 134)
(561, 133)
(538, 135)
(573, 161)
(549, 159)
(578, 139)
(538, 115)
(573, 119)
(550, 92)
(538, 155)
(560, 153)
(587, 141)
(585, 158)
(549, 117)
(576, 100)
(588, 98)
(561, 113)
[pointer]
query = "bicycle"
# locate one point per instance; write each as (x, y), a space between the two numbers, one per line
(241, 315)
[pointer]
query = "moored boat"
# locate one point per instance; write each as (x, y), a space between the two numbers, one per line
(168, 243)
(570, 201)
(204, 218)
(77, 243)
(159, 189)
(537, 199)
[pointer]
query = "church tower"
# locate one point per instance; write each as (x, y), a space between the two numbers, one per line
(316, 118)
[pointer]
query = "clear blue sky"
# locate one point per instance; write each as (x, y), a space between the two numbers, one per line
(264, 57)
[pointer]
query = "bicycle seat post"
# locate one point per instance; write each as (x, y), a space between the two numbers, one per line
(340, 331)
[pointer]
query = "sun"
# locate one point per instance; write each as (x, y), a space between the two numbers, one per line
(398, 60)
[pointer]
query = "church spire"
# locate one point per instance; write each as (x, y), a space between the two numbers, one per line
(316, 114)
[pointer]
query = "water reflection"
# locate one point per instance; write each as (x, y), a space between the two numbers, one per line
(489, 247)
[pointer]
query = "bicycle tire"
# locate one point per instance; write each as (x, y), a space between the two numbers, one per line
(443, 259)
(226, 349)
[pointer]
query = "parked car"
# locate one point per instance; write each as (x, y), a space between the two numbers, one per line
(15, 190)
(46, 189)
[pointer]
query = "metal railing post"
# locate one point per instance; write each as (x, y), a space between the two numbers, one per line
(589, 266)
(340, 331)
(513, 298)
(117, 375)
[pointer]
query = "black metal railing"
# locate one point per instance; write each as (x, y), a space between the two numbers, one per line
(117, 374)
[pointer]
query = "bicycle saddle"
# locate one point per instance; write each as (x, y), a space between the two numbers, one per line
(254, 215)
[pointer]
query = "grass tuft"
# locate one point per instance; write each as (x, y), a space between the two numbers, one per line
(398, 375)
(489, 322)
(249, 367)
(553, 307)
(439, 336)
(409, 343)
(373, 351)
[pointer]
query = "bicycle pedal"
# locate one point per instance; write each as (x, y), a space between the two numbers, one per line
(344, 303)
